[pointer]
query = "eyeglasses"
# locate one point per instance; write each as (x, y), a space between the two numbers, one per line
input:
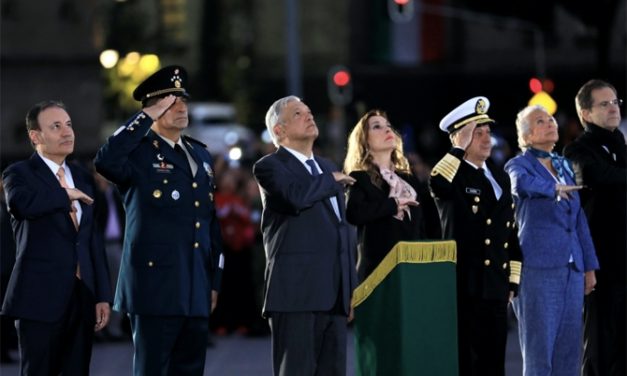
(613, 102)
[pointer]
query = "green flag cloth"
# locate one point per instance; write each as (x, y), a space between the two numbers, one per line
(406, 313)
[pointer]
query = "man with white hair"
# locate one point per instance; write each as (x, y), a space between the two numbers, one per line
(310, 269)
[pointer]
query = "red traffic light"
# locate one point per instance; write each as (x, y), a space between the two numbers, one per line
(402, 2)
(341, 78)
(548, 85)
(535, 85)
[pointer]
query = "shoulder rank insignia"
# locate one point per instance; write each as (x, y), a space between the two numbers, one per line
(447, 167)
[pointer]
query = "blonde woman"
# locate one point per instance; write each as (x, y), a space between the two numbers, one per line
(383, 202)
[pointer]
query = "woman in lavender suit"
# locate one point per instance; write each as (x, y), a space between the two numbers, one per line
(559, 257)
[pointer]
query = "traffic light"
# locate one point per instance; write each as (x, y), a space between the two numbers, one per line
(401, 10)
(340, 85)
(541, 90)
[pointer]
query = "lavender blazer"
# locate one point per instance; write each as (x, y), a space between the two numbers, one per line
(549, 230)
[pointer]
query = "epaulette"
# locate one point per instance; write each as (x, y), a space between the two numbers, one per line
(191, 139)
(447, 167)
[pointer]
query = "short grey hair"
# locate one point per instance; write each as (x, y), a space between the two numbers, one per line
(273, 116)
(523, 127)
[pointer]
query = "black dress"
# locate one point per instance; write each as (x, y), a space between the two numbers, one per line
(370, 209)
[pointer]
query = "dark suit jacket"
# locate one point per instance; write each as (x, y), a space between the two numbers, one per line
(371, 209)
(483, 228)
(600, 158)
(48, 245)
(172, 244)
(309, 251)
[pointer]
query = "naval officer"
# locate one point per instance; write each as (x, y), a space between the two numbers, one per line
(476, 210)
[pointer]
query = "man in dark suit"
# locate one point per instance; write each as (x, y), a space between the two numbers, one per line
(600, 159)
(310, 269)
(476, 210)
(172, 260)
(59, 289)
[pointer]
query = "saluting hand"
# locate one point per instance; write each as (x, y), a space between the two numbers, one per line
(343, 178)
(405, 203)
(463, 137)
(158, 109)
(564, 190)
(77, 194)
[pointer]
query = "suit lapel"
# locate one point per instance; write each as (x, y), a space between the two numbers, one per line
(339, 199)
(42, 170)
(194, 153)
(540, 169)
(293, 164)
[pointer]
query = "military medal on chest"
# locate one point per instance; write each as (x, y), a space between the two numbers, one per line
(161, 166)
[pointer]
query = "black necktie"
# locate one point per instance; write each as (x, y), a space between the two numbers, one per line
(312, 166)
(181, 152)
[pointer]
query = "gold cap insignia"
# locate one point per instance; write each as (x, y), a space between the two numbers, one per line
(481, 107)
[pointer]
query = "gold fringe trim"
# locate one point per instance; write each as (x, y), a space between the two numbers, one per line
(405, 253)
(447, 167)
(514, 271)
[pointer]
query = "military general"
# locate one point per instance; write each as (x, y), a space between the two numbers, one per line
(172, 260)
(476, 209)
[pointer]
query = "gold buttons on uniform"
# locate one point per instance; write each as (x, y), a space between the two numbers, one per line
(513, 205)
(197, 224)
(165, 181)
(507, 224)
(488, 221)
(504, 265)
(196, 203)
(477, 199)
(194, 185)
(486, 262)
(506, 245)
(487, 241)
(151, 264)
(156, 193)
(196, 245)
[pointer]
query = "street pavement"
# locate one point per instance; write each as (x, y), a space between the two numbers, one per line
(233, 355)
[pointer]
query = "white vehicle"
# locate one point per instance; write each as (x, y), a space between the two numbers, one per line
(215, 125)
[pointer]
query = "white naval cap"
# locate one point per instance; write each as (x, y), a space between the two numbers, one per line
(474, 109)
